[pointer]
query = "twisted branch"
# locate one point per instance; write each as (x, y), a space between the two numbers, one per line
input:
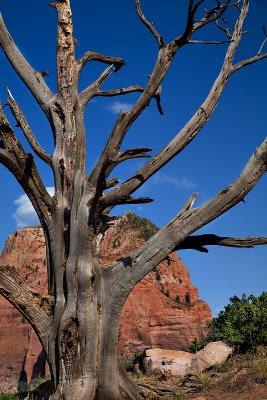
(33, 80)
(195, 124)
(119, 92)
(92, 89)
(35, 307)
(28, 133)
(176, 232)
(149, 25)
(22, 166)
(93, 56)
(199, 241)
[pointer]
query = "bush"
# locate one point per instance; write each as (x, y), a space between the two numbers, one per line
(195, 346)
(177, 299)
(129, 363)
(242, 324)
(187, 299)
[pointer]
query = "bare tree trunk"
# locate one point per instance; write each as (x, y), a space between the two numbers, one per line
(84, 359)
(78, 322)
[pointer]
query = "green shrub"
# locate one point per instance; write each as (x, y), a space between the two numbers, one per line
(177, 299)
(187, 299)
(9, 396)
(242, 324)
(146, 228)
(129, 363)
(195, 346)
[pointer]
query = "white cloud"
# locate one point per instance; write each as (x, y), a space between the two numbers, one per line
(118, 106)
(183, 184)
(25, 214)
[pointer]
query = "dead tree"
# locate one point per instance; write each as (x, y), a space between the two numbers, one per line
(77, 323)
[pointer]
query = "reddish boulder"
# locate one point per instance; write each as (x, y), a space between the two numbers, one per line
(163, 310)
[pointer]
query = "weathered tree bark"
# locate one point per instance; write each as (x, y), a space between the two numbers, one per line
(77, 323)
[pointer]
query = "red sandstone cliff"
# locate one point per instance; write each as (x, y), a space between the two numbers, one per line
(163, 310)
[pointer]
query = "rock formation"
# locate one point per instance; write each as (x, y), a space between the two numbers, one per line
(181, 363)
(163, 310)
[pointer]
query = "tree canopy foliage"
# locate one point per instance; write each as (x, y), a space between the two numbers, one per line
(243, 323)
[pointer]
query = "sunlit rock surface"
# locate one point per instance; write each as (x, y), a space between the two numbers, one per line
(163, 310)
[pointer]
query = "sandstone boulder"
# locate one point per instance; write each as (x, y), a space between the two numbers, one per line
(170, 362)
(212, 354)
(181, 363)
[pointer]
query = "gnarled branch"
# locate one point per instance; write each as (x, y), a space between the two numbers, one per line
(93, 56)
(199, 241)
(169, 238)
(119, 92)
(32, 79)
(198, 120)
(35, 307)
(92, 89)
(248, 61)
(28, 133)
(264, 41)
(22, 166)
(149, 25)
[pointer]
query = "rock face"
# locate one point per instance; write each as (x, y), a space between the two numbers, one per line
(163, 310)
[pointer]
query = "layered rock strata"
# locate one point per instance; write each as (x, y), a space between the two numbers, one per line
(163, 310)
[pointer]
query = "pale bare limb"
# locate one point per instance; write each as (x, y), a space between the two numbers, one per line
(66, 63)
(125, 120)
(93, 56)
(213, 14)
(35, 307)
(28, 133)
(194, 125)
(92, 89)
(126, 155)
(22, 166)
(199, 241)
(149, 25)
(169, 238)
(119, 92)
(207, 42)
(189, 204)
(264, 41)
(227, 31)
(32, 79)
(249, 61)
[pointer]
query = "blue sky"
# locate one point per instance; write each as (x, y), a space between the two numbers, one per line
(209, 163)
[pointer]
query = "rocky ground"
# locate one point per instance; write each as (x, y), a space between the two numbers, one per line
(242, 377)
